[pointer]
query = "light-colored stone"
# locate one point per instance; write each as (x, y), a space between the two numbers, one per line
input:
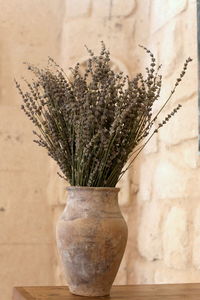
(115, 8)
(165, 275)
(125, 8)
(29, 31)
(162, 12)
(24, 39)
(188, 153)
(26, 217)
(181, 96)
(152, 146)
(141, 272)
(57, 210)
(100, 9)
(77, 8)
(192, 185)
(146, 171)
(56, 189)
(176, 239)
(169, 181)
(13, 135)
(121, 277)
(150, 232)
(25, 264)
(171, 56)
(196, 241)
(174, 180)
(125, 189)
(183, 126)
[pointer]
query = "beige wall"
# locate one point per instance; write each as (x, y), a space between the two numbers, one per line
(29, 31)
(159, 195)
(167, 203)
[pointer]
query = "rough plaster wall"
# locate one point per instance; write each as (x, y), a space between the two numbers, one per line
(167, 202)
(29, 31)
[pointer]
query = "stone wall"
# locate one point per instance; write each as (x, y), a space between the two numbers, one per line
(29, 31)
(159, 195)
(167, 238)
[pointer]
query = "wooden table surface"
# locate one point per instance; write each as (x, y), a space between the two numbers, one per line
(189, 291)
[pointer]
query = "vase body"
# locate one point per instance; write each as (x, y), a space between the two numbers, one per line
(91, 238)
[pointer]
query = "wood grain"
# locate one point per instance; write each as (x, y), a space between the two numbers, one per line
(187, 291)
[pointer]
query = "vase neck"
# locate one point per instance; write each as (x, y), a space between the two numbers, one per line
(92, 202)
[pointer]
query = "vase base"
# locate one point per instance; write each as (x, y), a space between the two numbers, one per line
(89, 292)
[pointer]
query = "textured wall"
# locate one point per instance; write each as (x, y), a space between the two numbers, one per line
(29, 31)
(169, 173)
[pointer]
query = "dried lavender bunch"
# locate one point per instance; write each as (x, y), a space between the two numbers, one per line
(94, 122)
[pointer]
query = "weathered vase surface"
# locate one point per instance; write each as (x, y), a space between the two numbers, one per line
(91, 239)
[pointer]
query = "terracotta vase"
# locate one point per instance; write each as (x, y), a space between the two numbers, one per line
(91, 239)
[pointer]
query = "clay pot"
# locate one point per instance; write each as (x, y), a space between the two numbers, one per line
(91, 239)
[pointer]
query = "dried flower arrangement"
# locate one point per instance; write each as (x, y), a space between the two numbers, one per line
(93, 123)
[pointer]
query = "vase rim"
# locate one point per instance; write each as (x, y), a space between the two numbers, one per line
(91, 188)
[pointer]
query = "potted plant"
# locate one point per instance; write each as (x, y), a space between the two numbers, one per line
(91, 124)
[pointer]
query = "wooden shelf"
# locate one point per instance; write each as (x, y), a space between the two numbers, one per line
(187, 291)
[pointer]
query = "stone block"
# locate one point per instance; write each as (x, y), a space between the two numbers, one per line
(125, 8)
(12, 119)
(101, 8)
(77, 8)
(177, 177)
(152, 146)
(59, 273)
(183, 126)
(169, 181)
(165, 275)
(190, 32)
(16, 139)
(172, 56)
(150, 232)
(121, 277)
(196, 241)
(26, 40)
(20, 153)
(26, 217)
(192, 185)
(146, 171)
(58, 267)
(141, 273)
(176, 239)
(25, 264)
(183, 95)
(187, 154)
(115, 8)
(124, 184)
(56, 188)
(162, 12)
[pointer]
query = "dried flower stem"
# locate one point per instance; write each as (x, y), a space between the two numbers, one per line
(94, 121)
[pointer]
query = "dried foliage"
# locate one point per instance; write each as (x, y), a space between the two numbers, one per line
(92, 124)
